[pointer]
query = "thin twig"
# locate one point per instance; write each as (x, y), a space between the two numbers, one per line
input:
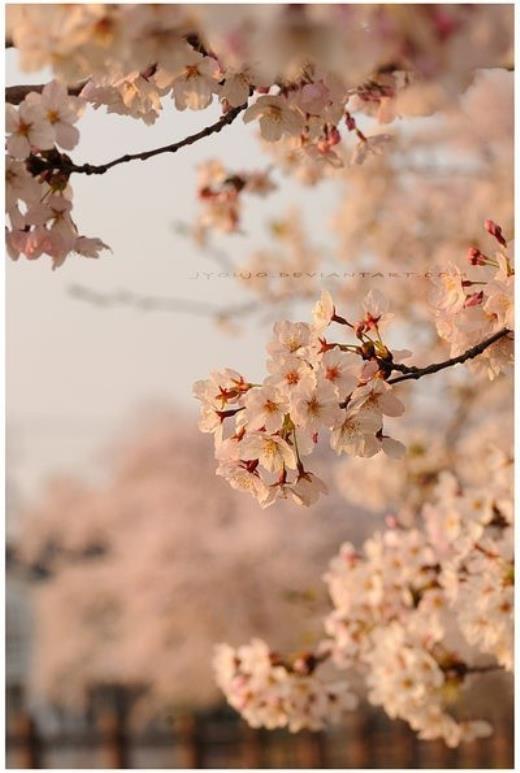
(154, 303)
(416, 373)
(61, 162)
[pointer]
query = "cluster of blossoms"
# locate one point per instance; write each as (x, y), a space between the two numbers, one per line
(271, 693)
(220, 193)
(472, 529)
(314, 387)
(409, 609)
(467, 311)
(39, 202)
(426, 211)
(460, 441)
(441, 41)
(308, 68)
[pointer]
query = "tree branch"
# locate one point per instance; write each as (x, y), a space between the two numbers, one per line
(16, 94)
(484, 669)
(153, 303)
(417, 373)
(60, 162)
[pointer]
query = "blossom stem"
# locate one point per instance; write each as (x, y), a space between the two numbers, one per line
(227, 414)
(297, 453)
(341, 320)
(417, 373)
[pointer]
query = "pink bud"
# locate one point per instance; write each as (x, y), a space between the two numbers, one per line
(334, 136)
(350, 121)
(496, 231)
(474, 300)
(206, 193)
(475, 257)
(445, 25)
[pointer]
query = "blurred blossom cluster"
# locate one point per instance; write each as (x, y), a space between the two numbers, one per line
(459, 441)
(149, 571)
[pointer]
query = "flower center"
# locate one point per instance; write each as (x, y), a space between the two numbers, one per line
(274, 113)
(23, 128)
(313, 406)
(192, 71)
(332, 373)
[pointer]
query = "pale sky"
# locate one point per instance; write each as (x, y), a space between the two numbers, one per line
(76, 373)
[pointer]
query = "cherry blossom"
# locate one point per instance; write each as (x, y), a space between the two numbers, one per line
(27, 128)
(270, 694)
(400, 606)
(195, 85)
(46, 225)
(317, 387)
(314, 387)
(421, 209)
(317, 407)
(276, 117)
(265, 409)
(221, 193)
(61, 111)
(465, 315)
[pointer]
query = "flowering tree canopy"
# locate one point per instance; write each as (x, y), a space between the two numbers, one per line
(326, 64)
(146, 573)
(407, 111)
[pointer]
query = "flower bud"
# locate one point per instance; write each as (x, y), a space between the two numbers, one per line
(334, 136)
(475, 257)
(496, 231)
(475, 299)
(350, 122)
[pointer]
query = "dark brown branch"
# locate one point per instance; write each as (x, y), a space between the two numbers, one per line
(484, 669)
(462, 669)
(62, 163)
(417, 373)
(16, 94)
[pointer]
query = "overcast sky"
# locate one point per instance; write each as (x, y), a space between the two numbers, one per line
(77, 373)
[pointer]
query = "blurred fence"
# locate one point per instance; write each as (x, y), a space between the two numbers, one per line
(367, 739)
